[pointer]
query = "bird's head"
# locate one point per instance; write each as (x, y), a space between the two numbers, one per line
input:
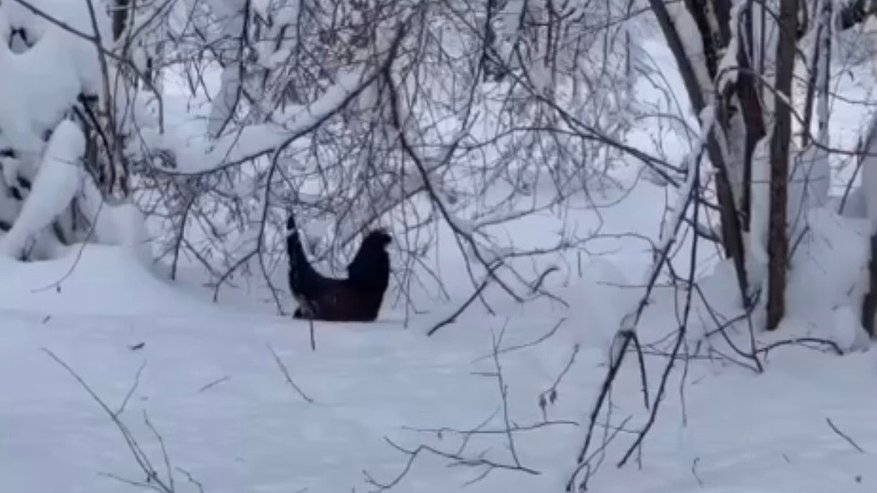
(378, 237)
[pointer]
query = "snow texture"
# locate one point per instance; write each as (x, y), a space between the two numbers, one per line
(40, 84)
(757, 258)
(693, 46)
(205, 155)
(57, 182)
(208, 382)
(213, 391)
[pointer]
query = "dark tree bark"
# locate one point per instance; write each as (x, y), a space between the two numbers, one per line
(868, 162)
(750, 105)
(850, 15)
(869, 304)
(856, 12)
(120, 17)
(778, 238)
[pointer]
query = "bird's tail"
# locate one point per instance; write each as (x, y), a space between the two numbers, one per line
(293, 243)
(302, 276)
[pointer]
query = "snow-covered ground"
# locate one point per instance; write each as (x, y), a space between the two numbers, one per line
(212, 389)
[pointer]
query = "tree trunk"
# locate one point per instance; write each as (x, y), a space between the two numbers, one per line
(118, 182)
(778, 238)
(120, 17)
(869, 304)
(750, 105)
(730, 224)
(856, 12)
(868, 163)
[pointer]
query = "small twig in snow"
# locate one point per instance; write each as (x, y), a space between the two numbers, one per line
(451, 319)
(526, 344)
(549, 395)
(191, 479)
(694, 471)
(640, 358)
(153, 481)
(503, 393)
(587, 463)
(844, 436)
(487, 464)
(477, 461)
(288, 377)
(131, 390)
(164, 454)
(803, 342)
(79, 251)
(493, 431)
(214, 383)
(537, 285)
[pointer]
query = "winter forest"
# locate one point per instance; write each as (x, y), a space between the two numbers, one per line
(632, 246)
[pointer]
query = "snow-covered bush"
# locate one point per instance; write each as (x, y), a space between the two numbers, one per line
(55, 74)
(413, 114)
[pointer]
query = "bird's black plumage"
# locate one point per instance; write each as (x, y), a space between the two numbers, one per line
(357, 298)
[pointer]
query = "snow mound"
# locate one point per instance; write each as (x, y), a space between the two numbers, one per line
(835, 253)
(40, 84)
(96, 279)
(55, 186)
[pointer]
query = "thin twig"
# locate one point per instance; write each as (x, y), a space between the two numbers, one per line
(453, 317)
(155, 481)
(213, 383)
(288, 377)
(549, 396)
(131, 390)
(525, 345)
(802, 341)
(844, 435)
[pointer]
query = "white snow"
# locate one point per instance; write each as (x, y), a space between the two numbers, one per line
(204, 155)
(39, 85)
(248, 430)
(212, 390)
(56, 183)
(688, 34)
(120, 224)
(759, 222)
